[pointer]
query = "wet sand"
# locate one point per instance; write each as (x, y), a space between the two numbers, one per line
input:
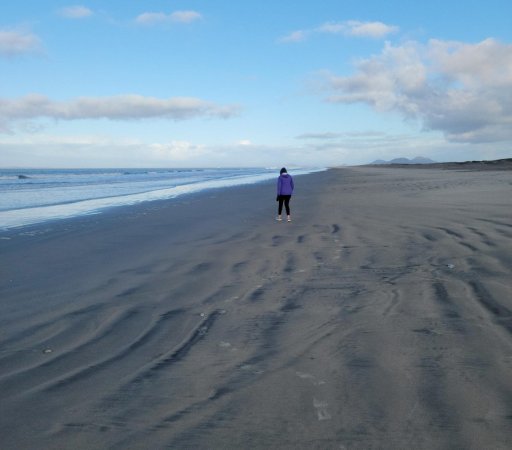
(381, 317)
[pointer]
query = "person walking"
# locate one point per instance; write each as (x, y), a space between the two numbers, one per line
(284, 193)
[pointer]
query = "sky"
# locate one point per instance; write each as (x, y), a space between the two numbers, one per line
(223, 83)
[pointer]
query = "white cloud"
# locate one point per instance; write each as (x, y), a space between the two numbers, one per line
(178, 151)
(370, 29)
(323, 135)
(75, 12)
(14, 43)
(185, 16)
(296, 36)
(332, 28)
(355, 28)
(330, 135)
(463, 90)
(488, 62)
(151, 18)
(121, 107)
(99, 151)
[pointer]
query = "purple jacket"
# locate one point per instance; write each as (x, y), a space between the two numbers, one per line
(285, 184)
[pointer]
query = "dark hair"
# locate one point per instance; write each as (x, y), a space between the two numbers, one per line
(283, 170)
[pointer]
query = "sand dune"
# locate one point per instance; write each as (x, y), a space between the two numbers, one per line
(381, 317)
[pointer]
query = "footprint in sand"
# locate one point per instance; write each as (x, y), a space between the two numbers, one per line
(308, 376)
(227, 346)
(321, 409)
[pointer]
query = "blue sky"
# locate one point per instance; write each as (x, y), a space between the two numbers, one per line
(224, 83)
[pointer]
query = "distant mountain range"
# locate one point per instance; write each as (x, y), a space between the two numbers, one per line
(417, 160)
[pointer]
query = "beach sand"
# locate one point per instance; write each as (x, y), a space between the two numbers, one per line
(381, 317)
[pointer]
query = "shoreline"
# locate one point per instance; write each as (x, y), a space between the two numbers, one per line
(21, 217)
(379, 317)
(110, 213)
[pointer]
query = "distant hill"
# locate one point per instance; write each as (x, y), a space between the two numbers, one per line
(417, 160)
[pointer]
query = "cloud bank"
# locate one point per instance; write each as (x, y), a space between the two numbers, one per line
(355, 28)
(15, 43)
(122, 107)
(463, 90)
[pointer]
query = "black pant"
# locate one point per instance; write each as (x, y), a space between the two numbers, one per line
(286, 200)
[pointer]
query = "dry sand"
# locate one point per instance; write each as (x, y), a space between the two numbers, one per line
(381, 317)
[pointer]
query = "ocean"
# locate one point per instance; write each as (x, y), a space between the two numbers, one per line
(31, 196)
